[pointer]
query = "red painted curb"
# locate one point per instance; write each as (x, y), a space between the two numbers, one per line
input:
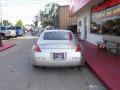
(98, 76)
(6, 47)
(105, 66)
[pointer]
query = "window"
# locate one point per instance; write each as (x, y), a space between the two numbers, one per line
(3, 28)
(18, 27)
(57, 35)
(106, 21)
(12, 28)
(8, 28)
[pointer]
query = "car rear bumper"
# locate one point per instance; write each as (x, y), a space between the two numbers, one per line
(12, 35)
(74, 60)
(7, 36)
(56, 63)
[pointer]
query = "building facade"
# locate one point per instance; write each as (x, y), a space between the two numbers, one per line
(63, 20)
(96, 18)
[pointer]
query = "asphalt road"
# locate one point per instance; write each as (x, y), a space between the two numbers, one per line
(17, 72)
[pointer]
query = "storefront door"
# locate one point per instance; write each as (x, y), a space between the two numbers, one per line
(85, 27)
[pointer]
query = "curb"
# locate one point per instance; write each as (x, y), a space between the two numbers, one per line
(98, 76)
(7, 47)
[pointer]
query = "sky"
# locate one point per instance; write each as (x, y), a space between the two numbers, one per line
(25, 10)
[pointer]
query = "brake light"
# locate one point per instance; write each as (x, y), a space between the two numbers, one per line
(37, 48)
(78, 49)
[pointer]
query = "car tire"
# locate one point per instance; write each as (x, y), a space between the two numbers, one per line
(2, 37)
(79, 68)
(8, 37)
(35, 66)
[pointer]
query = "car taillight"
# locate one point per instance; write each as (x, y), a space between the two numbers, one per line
(37, 48)
(78, 49)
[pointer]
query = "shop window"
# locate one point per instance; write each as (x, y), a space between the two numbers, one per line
(106, 21)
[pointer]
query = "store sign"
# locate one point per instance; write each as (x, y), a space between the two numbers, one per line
(76, 5)
(105, 5)
(107, 13)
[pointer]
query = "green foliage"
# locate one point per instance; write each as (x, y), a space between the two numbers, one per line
(0, 23)
(19, 23)
(36, 23)
(10, 24)
(47, 16)
(5, 23)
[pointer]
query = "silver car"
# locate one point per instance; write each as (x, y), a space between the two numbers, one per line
(57, 48)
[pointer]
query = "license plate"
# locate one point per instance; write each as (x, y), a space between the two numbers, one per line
(58, 56)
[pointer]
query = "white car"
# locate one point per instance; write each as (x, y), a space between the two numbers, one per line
(57, 48)
(12, 31)
(4, 32)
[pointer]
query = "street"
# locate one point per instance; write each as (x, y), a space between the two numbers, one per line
(17, 72)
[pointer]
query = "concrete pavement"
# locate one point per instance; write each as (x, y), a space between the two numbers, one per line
(17, 73)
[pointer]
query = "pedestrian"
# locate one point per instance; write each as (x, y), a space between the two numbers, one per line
(31, 31)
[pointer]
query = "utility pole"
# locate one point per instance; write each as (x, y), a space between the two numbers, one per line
(0, 25)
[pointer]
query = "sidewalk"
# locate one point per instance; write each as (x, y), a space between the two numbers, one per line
(105, 66)
(6, 46)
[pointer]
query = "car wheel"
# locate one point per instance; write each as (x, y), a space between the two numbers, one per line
(8, 37)
(2, 37)
(79, 68)
(15, 36)
(35, 66)
(72, 68)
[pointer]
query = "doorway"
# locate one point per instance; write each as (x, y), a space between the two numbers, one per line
(85, 27)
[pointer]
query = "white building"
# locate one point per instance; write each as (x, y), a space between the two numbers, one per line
(93, 14)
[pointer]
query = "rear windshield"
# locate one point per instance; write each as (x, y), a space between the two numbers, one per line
(57, 36)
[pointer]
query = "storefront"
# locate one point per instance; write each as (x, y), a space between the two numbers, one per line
(97, 17)
(105, 18)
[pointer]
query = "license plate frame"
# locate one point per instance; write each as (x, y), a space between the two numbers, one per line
(58, 56)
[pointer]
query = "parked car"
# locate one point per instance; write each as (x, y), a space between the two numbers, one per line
(57, 48)
(49, 28)
(12, 31)
(4, 32)
(19, 31)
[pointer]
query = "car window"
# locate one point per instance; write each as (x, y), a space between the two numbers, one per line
(3, 28)
(57, 36)
(18, 27)
(8, 28)
(12, 28)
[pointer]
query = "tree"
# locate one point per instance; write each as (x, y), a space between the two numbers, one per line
(19, 23)
(10, 24)
(5, 23)
(47, 15)
(0, 23)
(36, 21)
